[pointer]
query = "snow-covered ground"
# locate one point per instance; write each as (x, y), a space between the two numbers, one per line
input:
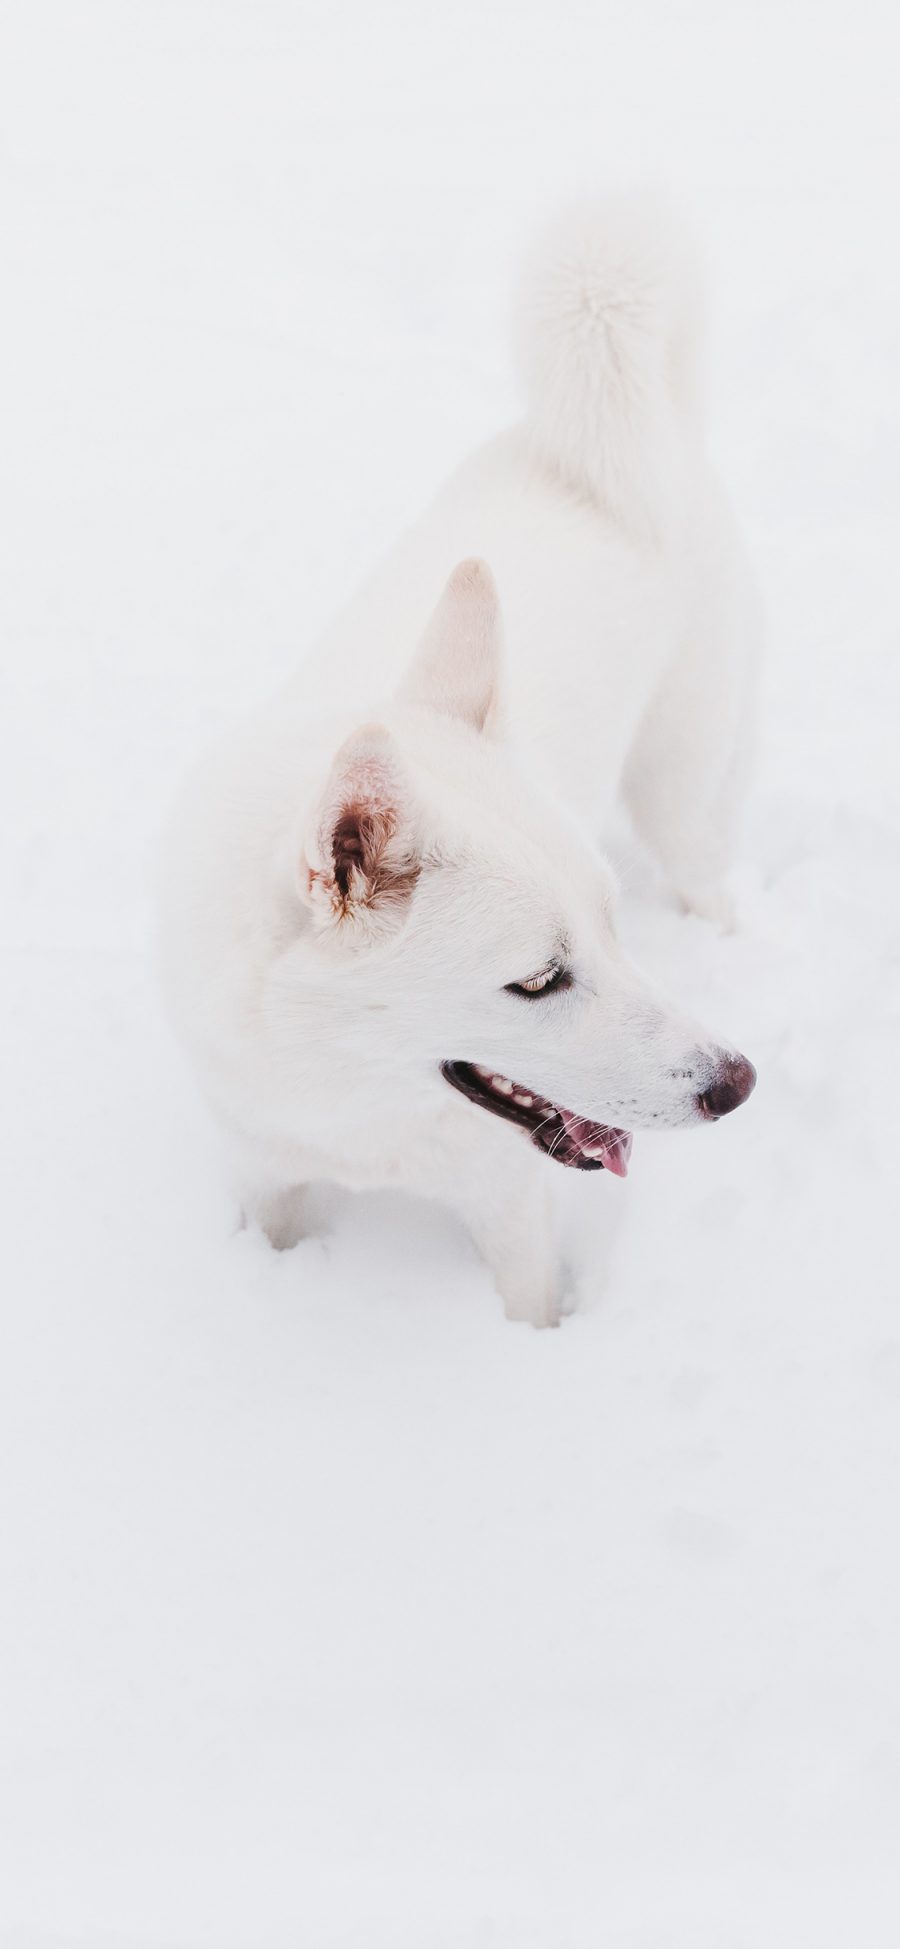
(334, 1612)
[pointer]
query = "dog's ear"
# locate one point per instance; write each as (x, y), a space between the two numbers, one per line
(458, 666)
(360, 861)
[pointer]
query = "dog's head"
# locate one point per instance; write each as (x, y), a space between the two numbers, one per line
(464, 929)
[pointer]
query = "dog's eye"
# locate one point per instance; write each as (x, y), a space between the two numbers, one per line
(555, 976)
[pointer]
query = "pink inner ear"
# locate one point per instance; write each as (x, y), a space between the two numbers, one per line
(360, 836)
(366, 847)
(375, 865)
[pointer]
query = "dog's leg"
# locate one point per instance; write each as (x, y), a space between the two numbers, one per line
(280, 1213)
(684, 786)
(690, 829)
(689, 766)
(282, 1216)
(269, 1189)
(505, 1203)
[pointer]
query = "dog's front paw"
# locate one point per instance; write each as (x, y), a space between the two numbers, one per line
(281, 1215)
(534, 1297)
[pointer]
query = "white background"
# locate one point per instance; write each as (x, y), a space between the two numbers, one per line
(337, 1614)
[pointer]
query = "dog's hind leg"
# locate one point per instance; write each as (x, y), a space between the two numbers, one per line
(689, 827)
(689, 766)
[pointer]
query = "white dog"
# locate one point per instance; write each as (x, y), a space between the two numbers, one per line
(389, 943)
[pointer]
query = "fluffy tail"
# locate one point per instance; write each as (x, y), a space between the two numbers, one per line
(608, 344)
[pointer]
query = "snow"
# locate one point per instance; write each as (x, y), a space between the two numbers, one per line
(337, 1614)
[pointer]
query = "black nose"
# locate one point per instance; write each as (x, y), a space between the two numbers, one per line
(731, 1086)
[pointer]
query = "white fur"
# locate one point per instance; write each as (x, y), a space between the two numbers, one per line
(318, 1000)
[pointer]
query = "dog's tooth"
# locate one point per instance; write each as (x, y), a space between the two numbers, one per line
(594, 1151)
(524, 1101)
(500, 1083)
(480, 1070)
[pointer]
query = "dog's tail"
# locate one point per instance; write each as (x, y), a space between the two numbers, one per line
(608, 344)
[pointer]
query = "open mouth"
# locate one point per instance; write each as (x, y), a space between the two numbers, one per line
(572, 1140)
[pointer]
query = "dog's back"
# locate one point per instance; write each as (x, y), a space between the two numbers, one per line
(592, 511)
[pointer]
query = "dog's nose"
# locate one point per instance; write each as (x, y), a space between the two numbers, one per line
(731, 1086)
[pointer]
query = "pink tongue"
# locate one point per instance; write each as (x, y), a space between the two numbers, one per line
(617, 1152)
(612, 1148)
